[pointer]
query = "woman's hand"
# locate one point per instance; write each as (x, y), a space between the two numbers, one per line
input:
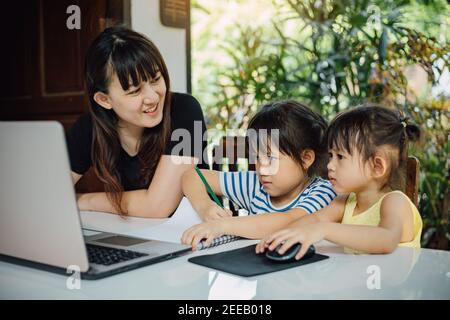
(304, 234)
(207, 230)
(212, 211)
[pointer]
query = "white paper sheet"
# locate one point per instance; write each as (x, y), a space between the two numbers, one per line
(107, 222)
(172, 229)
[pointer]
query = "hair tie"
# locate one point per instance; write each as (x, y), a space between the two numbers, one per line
(403, 121)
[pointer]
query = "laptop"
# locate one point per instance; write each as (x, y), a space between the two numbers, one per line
(39, 220)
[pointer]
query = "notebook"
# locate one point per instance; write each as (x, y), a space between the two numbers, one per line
(218, 241)
(171, 230)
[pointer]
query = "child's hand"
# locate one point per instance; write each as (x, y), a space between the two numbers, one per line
(304, 234)
(206, 230)
(262, 245)
(213, 212)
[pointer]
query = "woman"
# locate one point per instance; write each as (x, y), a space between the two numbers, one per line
(126, 136)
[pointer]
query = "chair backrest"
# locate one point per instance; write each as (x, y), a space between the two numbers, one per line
(412, 179)
(229, 150)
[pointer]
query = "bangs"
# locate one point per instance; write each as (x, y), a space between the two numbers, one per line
(344, 139)
(260, 143)
(263, 141)
(264, 131)
(349, 132)
(267, 119)
(133, 63)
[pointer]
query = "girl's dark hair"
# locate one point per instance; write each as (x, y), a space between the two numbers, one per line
(132, 57)
(299, 127)
(366, 128)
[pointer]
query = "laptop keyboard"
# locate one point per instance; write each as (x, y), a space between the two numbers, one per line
(109, 256)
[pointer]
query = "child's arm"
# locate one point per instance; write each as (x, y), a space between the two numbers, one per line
(331, 213)
(194, 189)
(261, 225)
(383, 238)
(252, 227)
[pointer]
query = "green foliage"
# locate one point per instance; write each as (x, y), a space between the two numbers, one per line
(434, 157)
(256, 76)
(332, 55)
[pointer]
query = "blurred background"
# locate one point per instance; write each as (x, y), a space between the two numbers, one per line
(333, 55)
(234, 55)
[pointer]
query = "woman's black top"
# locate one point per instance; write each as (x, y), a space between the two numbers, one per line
(186, 114)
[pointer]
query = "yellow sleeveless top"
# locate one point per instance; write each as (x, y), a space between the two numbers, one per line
(371, 217)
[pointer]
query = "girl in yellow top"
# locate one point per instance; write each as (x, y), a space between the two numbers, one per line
(367, 156)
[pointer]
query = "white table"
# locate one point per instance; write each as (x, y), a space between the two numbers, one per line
(404, 274)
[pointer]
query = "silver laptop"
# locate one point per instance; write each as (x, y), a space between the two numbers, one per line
(39, 220)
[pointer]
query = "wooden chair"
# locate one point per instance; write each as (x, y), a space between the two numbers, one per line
(227, 153)
(412, 179)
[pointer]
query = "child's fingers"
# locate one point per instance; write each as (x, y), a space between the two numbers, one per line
(260, 247)
(263, 248)
(186, 237)
(286, 245)
(257, 247)
(196, 240)
(277, 239)
(222, 213)
(209, 240)
(302, 251)
(275, 243)
(271, 238)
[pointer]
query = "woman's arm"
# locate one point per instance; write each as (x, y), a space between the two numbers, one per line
(194, 189)
(158, 201)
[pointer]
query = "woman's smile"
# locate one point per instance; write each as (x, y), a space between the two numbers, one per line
(151, 111)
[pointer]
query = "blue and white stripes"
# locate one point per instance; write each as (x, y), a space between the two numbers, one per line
(245, 191)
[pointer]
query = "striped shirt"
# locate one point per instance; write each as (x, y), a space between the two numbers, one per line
(245, 191)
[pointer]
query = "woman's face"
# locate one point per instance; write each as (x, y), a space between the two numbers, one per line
(140, 106)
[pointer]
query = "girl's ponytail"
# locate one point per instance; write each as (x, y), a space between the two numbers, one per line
(412, 131)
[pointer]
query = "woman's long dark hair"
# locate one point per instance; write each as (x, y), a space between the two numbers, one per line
(130, 55)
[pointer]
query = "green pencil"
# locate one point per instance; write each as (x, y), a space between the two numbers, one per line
(208, 187)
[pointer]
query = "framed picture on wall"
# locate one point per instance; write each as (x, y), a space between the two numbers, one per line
(174, 13)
